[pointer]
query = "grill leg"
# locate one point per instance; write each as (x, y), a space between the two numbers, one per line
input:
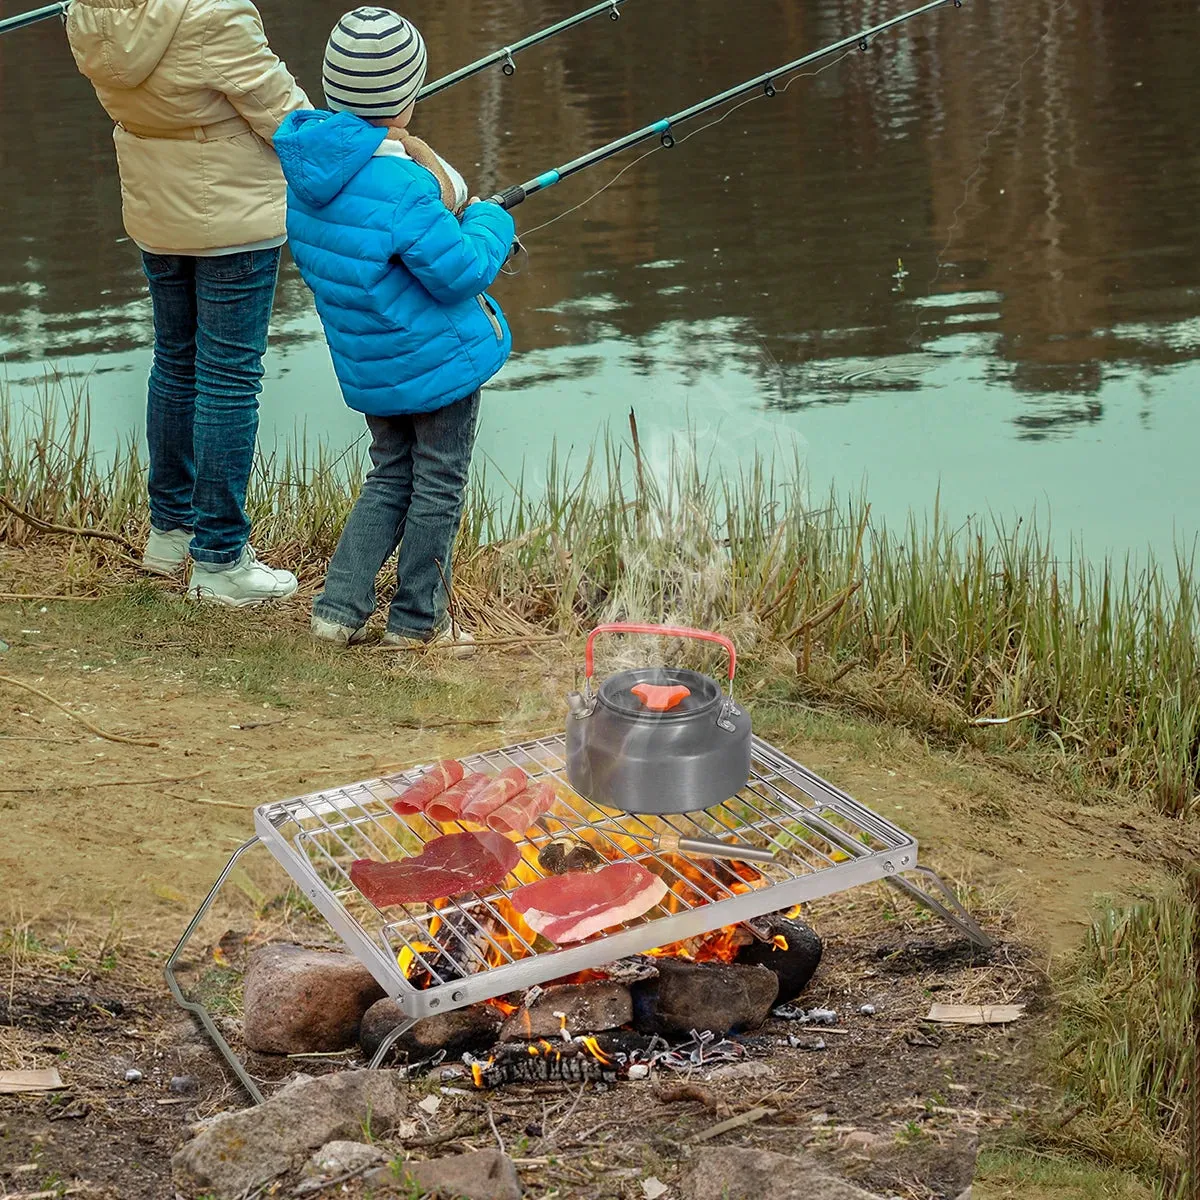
(198, 1010)
(947, 907)
(389, 1041)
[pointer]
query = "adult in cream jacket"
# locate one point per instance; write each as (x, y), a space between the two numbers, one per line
(196, 95)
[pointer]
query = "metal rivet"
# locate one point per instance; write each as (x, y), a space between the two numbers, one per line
(887, 866)
(456, 996)
(435, 1003)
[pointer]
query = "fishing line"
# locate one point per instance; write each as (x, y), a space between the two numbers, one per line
(679, 142)
(940, 263)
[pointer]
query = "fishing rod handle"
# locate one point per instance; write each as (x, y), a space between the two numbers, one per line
(509, 198)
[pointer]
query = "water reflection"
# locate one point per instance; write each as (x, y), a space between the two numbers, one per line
(944, 223)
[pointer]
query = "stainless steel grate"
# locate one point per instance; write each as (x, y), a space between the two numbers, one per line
(473, 948)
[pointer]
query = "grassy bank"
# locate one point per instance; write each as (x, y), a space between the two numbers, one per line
(1125, 1056)
(970, 631)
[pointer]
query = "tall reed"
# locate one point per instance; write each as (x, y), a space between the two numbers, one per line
(958, 626)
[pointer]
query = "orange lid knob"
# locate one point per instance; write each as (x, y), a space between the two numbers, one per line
(658, 698)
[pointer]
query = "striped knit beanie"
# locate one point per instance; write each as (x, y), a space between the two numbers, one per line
(374, 64)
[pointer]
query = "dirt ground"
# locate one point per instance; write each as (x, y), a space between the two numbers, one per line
(109, 847)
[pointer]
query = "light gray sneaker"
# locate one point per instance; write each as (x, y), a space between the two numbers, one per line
(335, 633)
(462, 643)
(165, 553)
(241, 583)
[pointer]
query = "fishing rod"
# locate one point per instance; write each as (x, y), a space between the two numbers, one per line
(504, 55)
(8, 24)
(512, 196)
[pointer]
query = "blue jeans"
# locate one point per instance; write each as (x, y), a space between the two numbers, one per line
(411, 498)
(210, 334)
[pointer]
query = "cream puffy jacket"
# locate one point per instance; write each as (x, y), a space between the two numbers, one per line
(197, 95)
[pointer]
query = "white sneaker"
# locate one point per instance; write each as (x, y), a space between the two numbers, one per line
(166, 552)
(336, 633)
(241, 583)
(462, 642)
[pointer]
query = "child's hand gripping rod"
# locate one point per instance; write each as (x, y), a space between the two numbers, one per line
(512, 196)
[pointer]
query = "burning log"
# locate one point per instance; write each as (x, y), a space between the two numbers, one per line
(583, 1060)
(792, 952)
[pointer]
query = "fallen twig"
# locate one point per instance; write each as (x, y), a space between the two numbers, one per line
(746, 1118)
(463, 1129)
(1029, 712)
(101, 733)
(259, 724)
(99, 783)
(682, 1092)
(484, 644)
(44, 596)
(65, 530)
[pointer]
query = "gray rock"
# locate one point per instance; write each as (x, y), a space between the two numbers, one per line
(731, 1173)
(182, 1085)
(241, 1151)
(472, 1028)
(716, 996)
(301, 1001)
(339, 1158)
(588, 1007)
(486, 1175)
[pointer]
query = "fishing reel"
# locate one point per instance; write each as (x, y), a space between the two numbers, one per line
(508, 66)
(614, 13)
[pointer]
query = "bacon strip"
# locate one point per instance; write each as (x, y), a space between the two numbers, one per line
(509, 783)
(432, 784)
(449, 805)
(517, 814)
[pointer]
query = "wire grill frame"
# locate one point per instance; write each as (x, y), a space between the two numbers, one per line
(825, 842)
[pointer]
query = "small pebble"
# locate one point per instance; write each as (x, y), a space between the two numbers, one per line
(133, 1075)
(639, 1071)
(867, 1010)
(182, 1085)
(822, 1016)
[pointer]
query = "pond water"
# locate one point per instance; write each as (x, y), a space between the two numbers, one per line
(967, 259)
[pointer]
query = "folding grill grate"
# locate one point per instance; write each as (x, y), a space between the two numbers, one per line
(471, 948)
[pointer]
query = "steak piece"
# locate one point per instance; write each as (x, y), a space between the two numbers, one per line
(523, 809)
(448, 865)
(432, 784)
(509, 783)
(571, 907)
(449, 805)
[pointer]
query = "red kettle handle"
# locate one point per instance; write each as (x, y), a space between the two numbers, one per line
(680, 631)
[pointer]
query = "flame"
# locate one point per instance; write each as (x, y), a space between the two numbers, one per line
(692, 882)
(793, 912)
(593, 1048)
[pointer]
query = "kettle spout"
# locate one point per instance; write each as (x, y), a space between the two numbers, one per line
(578, 706)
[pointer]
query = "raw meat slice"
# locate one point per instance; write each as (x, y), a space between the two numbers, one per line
(569, 908)
(509, 783)
(433, 783)
(517, 814)
(448, 865)
(449, 805)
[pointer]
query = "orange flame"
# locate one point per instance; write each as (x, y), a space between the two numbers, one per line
(692, 882)
(781, 943)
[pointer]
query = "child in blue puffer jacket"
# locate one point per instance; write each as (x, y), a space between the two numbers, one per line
(398, 262)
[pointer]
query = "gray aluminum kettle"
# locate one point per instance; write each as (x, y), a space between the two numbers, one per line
(657, 739)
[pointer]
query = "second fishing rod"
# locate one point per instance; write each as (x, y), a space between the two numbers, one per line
(504, 56)
(662, 129)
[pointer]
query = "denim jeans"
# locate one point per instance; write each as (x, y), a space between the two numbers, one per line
(412, 498)
(210, 333)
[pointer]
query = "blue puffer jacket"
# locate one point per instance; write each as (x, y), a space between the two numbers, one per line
(398, 279)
